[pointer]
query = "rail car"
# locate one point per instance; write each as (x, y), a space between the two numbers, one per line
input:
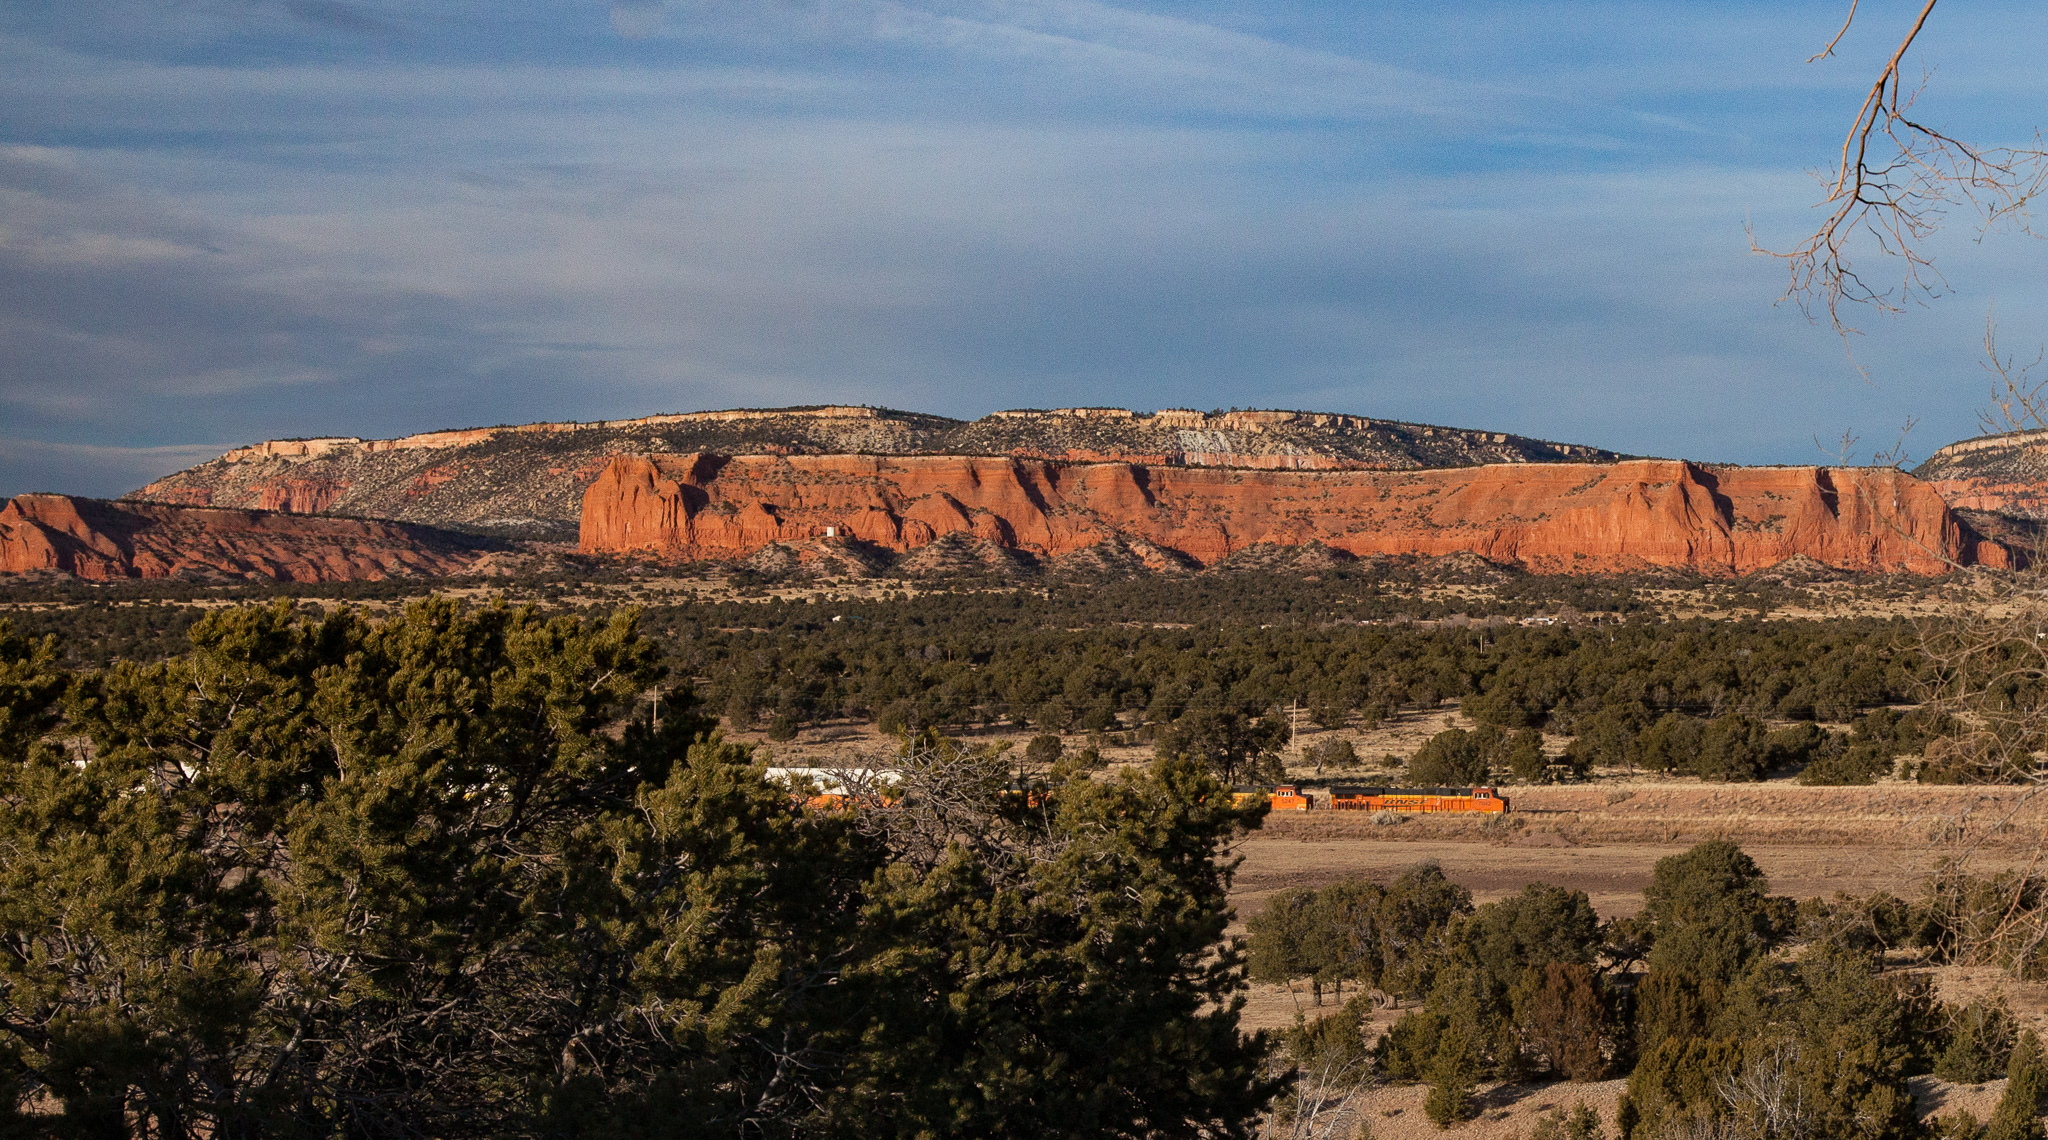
(1418, 799)
(1284, 797)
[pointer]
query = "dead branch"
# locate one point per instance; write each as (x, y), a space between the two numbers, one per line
(1894, 181)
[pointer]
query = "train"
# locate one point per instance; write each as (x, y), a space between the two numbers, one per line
(1291, 797)
(1418, 799)
(834, 789)
(1285, 797)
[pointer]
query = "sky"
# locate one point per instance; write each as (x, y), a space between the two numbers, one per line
(223, 221)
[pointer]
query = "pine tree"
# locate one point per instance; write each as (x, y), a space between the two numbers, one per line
(2018, 1115)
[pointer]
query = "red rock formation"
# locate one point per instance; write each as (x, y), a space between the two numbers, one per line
(1548, 517)
(92, 538)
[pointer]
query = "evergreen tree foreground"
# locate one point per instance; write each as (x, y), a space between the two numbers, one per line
(443, 875)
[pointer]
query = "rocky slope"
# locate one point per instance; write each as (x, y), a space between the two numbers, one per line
(528, 481)
(2006, 474)
(1549, 517)
(96, 539)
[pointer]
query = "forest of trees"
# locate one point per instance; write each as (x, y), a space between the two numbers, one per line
(440, 875)
(1731, 1012)
(1706, 698)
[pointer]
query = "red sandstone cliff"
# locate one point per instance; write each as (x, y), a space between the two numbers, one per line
(1549, 517)
(92, 538)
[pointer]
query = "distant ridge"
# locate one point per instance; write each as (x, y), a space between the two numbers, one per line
(2004, 474)
(527, 481)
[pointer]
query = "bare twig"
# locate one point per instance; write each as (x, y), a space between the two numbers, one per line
(1893, 182)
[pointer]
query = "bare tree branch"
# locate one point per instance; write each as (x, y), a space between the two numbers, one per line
(1895, 179)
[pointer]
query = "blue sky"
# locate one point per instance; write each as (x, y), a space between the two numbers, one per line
(228, 220)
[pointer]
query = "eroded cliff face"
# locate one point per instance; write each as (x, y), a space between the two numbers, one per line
(95, 539)
(1551, 518)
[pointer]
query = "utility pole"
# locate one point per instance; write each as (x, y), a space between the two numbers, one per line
(1294, 732)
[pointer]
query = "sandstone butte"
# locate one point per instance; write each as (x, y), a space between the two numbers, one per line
(95, 539)
(1548, 518)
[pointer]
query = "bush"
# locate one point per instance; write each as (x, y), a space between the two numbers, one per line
(1335, 1043)
(1454, 757)
(1731, 748)
(1981, 1036)
(1609, 738)
(1333, 753)
(1563, 1015)
(1044, 750)
(1671, 744)
(2018, 1116)
(1453, 1074)
(1841, 764)
(1522, 754)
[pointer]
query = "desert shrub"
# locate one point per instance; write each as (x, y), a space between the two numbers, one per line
(1872, 924)
(1845, 764)
(1560, 1010)
(2018, 1115)
(1994, 919)
(1981, 1036)
(1333, 753)
(1542, 924)
(1405, 1051)
(782, 727)
(1454, 757)
(1671, 743)
(1453, 1075)
(1522, 754)
(1731, 747)
(1582, 1123)
(1072, 764)
(1335, 1042)
(1608, 738)
(1044, 750)
(1098, 717)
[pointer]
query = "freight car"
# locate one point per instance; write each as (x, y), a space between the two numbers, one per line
(1417, 799)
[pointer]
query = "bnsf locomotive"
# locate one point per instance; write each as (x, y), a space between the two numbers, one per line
(1417, 799)
(1290, 797)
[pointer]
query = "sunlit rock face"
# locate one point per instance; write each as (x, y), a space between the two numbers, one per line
(1552, 517)
(96, 539)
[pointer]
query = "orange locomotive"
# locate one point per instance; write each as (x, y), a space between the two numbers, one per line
(1418, 799)
(1285, 797)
